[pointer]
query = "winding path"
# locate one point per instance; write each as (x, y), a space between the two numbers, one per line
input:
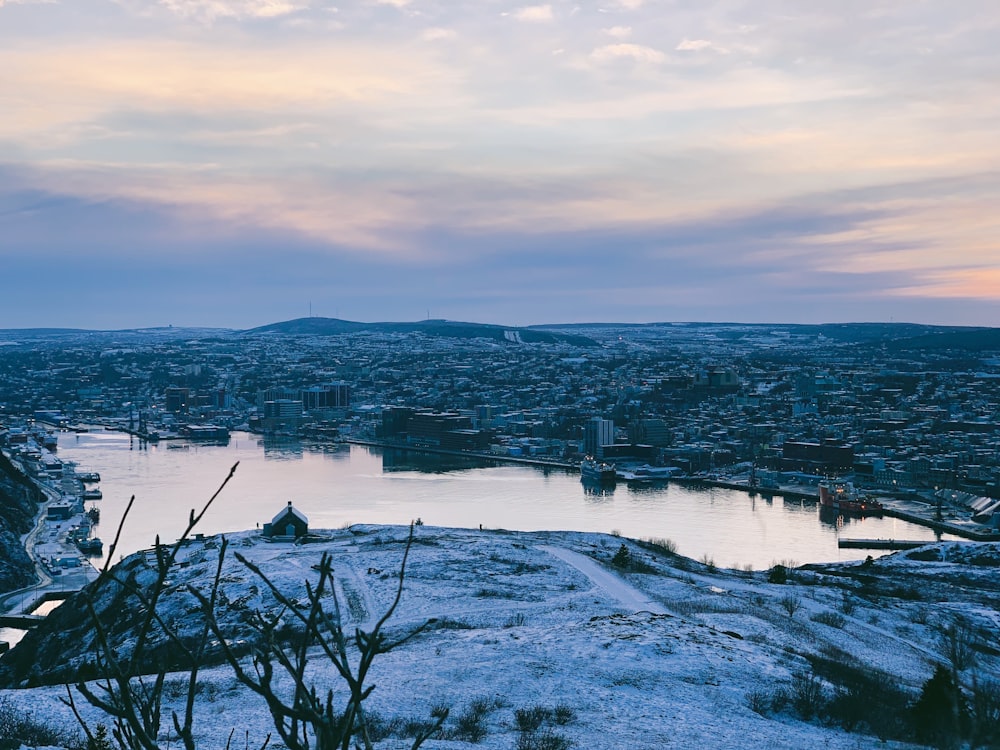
(627, 595)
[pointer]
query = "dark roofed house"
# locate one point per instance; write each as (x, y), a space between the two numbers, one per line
(290, 523)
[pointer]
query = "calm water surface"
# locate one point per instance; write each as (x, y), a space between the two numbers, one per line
(340, 485)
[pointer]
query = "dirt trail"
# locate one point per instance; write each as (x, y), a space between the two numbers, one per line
(627, 595)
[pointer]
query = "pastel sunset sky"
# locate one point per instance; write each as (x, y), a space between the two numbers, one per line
(232, 162)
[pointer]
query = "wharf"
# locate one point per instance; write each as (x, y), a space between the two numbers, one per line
(22, 622)
(920, 513)
(890, 544)
(799, 492)
(926, 515)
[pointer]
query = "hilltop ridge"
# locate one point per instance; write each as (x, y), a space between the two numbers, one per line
(443, 328)
(628, 640)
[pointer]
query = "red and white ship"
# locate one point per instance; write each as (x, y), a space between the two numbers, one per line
(842, 497)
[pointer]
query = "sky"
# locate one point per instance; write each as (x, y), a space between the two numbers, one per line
(239, 162)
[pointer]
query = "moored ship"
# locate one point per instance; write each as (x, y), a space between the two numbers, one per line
(842, 497)
(92, 546)
(592, 470)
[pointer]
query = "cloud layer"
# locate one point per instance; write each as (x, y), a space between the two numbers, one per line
(550, 162)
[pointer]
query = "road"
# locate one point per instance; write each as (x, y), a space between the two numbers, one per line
(24, 600)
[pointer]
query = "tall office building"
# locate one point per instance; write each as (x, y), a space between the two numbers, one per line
(330, 396)
(597, 433)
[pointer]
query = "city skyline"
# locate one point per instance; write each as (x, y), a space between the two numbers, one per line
(234, 163)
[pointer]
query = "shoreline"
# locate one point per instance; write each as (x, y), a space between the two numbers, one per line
(892, 507)
(553, 464)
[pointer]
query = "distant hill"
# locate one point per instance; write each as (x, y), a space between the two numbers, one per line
(442, 328)
(30, 334)
(40, 332)
(968, 339)
(896, 335)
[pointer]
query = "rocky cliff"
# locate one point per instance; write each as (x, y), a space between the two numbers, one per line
(19, 500)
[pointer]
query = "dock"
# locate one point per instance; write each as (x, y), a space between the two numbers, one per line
(890, 544)
(22, 622)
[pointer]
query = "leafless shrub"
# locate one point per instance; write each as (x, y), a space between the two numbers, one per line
(304, 715)
(832, 619)
(563, 714)
(759, 701)
(544, 740)
(531, 719)
(20, 727)
(847, 604)
(470, 726)
(985, 711)
(791, 604)
(807, 695)
(132, 700)
(958, 641)
(516, 620)
(534, 735)
(662, 544)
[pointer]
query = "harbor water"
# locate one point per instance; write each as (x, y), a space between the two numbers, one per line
(339, 485)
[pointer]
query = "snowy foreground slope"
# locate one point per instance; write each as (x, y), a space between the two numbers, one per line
(658, 651)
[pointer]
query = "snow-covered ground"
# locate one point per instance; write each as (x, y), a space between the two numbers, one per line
(661, 652)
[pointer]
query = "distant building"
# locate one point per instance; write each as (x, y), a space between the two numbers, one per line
(177, 400)
(395, 420)
(284, 413)
(597, 433)
(277, 394)
(331, 396)
(823, 457)
(717, 378)
(290, 523)
(282, 409)
(651, 431)
(484, 416)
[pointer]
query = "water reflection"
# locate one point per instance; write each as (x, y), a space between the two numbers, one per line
(337, 484)
(396, 459)
(595, 490)
(281, 448)
(645, 489)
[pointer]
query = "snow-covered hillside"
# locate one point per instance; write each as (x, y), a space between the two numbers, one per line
(654, 651)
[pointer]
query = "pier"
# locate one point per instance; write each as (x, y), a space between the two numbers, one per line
(909, 510)
(22, 622)
(882, 544)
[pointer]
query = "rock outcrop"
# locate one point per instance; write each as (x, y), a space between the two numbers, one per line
(19, 500)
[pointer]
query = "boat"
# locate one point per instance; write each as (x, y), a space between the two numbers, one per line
(92, 494)
(92, 546)
(649, 473)
(843, 498)
(89, 476)
(592, 470)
